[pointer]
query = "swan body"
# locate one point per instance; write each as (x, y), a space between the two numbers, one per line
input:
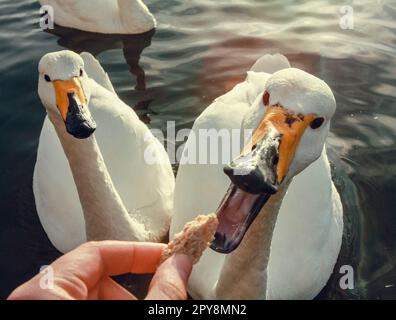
(301, 228)
(110, 168)
(103, 16)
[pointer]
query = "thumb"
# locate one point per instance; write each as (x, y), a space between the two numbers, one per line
(170, 280)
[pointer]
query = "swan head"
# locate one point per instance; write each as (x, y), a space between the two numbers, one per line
(290, 121)
(64, 92)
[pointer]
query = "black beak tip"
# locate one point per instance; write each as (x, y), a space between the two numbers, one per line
(228, 170)
(82, 132)
(78, 124)
(252, 181)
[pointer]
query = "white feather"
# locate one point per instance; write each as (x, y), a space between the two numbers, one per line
(96, 72)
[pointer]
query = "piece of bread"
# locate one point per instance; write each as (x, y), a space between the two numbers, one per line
(194, 239)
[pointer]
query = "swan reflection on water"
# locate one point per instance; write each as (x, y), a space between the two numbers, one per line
(131, 45)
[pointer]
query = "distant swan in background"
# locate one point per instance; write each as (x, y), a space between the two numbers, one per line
(115, 184)
(281, 220)
(103, 16)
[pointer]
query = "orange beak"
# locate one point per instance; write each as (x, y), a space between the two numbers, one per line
(290, 127)
(72, 105)
(62, 89)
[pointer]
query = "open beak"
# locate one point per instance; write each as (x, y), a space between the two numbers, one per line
(257, 174)
(72, 105)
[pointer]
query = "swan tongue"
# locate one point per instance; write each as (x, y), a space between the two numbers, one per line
(236, 213)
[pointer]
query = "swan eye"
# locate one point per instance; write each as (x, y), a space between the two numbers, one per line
(81, 72)
(266, 98)
(47, 78)
(317, 123)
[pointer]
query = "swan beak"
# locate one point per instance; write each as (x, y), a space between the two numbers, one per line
(283, 127)
(257, 174)
(72, 105)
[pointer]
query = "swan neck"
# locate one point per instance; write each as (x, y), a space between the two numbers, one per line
(244, 273)
(104, 212)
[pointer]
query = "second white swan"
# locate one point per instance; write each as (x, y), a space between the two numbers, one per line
(116, 183)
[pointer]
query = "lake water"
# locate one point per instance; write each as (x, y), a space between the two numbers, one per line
(200, 50)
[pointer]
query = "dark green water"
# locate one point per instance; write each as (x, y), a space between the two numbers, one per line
(199, 51)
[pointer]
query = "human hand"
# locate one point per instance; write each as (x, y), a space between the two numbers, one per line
(84, 273)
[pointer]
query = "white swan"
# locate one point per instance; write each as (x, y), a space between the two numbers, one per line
(103, 16)
(121, 175)
(292, 245)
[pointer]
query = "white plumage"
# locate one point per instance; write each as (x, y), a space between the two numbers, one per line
(146, 190)
(308, 231)
(103, 16)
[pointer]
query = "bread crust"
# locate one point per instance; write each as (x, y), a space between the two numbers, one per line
(195, 238)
